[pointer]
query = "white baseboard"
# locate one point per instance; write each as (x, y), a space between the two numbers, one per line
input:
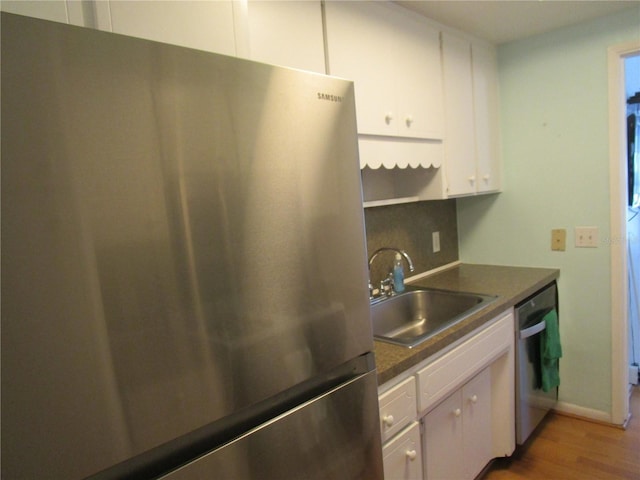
(588, 413)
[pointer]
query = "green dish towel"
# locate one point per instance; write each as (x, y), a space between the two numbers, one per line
(550, 352)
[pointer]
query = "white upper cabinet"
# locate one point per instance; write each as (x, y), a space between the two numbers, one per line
(63, 11)
(459, 148)
(213, 25)
(426, 95)
(486, 103)
(287, 33)
(471, 117)
(54, 10)
(419, 78)
(393, 57)
(204, 25)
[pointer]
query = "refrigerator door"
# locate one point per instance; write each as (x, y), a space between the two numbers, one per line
(182, 238)
(334, 436)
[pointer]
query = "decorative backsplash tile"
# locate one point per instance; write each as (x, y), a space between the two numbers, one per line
(409, 226)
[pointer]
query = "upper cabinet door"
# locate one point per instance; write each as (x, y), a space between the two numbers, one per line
(459, 145)
(54, 10)
(204, 25)
(472, 151)
(419, 78)
(287, 33)
(393, 57)
(486, 104)
(63, 11)
(359, 49)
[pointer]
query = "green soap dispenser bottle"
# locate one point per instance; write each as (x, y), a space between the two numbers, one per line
(398, 274)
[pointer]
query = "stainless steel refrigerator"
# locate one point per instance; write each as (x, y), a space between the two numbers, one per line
(184, 280)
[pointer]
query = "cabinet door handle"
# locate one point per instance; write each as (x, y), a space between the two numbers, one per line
(473, 398)
(486, 178)
(388, 118)
(457, 412)
(409, 120)
(411, 454)
(472, 179)
(388, 420)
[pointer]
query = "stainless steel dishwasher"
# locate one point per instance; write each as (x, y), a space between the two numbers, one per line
(532, 403)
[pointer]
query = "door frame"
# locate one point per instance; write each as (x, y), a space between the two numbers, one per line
(618, 235)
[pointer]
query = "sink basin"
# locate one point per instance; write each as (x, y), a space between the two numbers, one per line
(416, 315)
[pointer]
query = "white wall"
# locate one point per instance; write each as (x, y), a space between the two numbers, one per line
(554, 119)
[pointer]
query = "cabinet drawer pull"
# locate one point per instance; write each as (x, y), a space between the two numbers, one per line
(388, 420)
(411, 454)
(457, 412)
(473, 398)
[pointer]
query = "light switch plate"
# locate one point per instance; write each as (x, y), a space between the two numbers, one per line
(558, 239)
(435, 236)
(586, 237)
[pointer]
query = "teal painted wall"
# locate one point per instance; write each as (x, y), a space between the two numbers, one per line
(554, 127)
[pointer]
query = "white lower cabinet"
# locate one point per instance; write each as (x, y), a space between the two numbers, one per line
(448, 416)
(457, 433)
(402, 456)
(476, 423)
(397, 408)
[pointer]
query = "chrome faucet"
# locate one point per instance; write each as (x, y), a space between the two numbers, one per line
(386, 284)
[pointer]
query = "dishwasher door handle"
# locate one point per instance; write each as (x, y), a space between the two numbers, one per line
(531, 331)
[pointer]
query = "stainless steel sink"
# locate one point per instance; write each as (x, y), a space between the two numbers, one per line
(417, 314)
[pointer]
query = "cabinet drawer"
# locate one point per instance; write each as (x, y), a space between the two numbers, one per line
(402, 456)
(397, 408)
(447, 373)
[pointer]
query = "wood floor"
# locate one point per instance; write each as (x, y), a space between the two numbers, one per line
(566, 448)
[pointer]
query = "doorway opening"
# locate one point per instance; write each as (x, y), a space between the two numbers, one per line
(632, 98)
(619, 200)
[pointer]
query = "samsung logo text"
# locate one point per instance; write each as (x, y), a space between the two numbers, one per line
(329, 97)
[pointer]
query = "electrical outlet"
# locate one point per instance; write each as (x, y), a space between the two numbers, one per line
(586, 237)
(435, 237)
(633, 374)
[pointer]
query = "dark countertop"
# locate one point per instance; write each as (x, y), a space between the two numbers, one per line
(510, 284)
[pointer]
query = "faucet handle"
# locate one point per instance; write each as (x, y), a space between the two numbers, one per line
(386, 286)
